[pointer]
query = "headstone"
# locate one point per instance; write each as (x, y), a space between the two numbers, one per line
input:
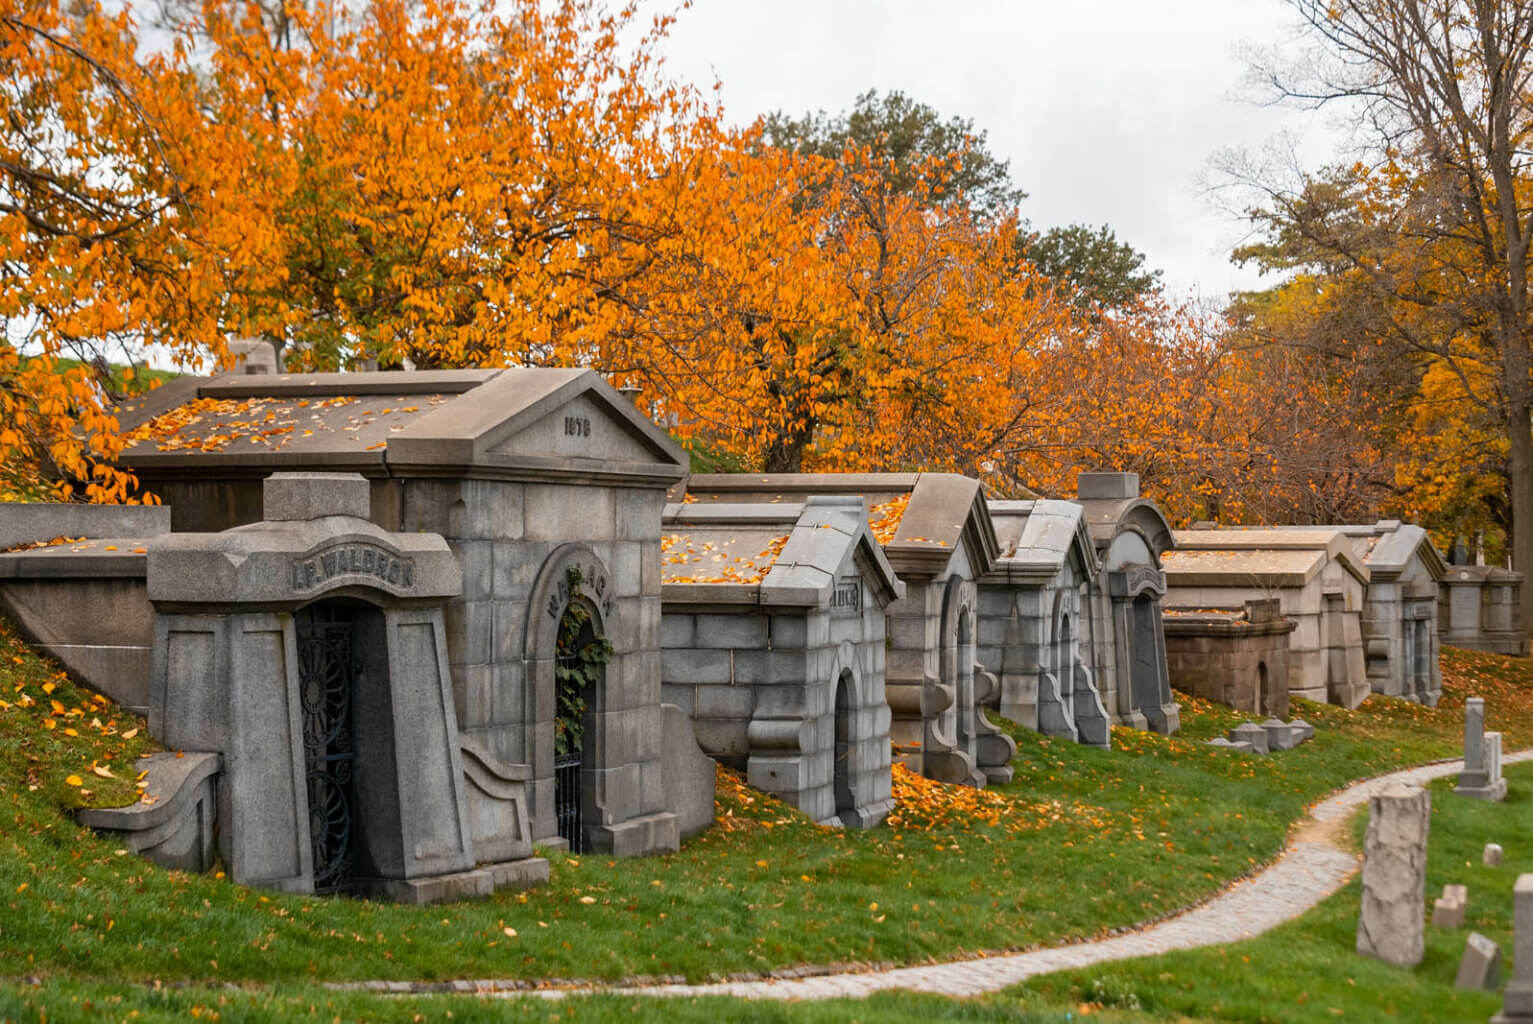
(1517, 1001)
(1280, 735)
(1391, 924)
(1302, 729)
(1220, 741)
(1250, 733)
(1481, 777)
(1448, 909)
(1492, 855)
(1480, 966)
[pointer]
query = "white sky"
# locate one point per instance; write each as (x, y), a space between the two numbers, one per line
(1108, 110)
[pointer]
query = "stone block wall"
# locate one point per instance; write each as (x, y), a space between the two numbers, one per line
(516, 543)
(761, 688)
(1238, 658)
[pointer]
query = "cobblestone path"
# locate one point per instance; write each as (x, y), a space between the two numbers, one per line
(1311, 868)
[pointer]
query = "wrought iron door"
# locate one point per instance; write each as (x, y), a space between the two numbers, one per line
(569, 734)
(327, 671)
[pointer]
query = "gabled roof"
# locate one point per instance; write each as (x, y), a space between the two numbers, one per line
(785, 554)
(516, 423)
(1328, 543)
(941, 512)
(1036, 538)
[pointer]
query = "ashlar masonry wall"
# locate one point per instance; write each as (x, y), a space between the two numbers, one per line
(777, 649)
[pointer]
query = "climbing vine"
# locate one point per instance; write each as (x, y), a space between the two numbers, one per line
(581, 655)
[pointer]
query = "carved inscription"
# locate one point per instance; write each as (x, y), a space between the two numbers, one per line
(353, 560)
(846, 599)
(577, 426)
(593, 585)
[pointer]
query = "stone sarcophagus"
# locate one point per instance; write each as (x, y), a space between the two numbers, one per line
(774, 643)
(936, 534)
(309, 651)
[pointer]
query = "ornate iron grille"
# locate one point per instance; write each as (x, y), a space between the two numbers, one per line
(567, 799)
(327, 672)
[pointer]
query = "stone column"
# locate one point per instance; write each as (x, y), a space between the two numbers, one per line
(1390, 926)
(1517, 1001)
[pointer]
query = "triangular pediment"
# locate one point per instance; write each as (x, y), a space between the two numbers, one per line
(584, 427)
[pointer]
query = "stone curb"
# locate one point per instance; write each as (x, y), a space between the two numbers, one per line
(1306, 872)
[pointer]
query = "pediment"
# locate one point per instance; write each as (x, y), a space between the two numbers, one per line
(584, 427)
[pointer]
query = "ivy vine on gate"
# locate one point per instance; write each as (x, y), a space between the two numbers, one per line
(581, 653)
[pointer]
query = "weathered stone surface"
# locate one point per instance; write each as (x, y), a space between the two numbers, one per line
(1302, 729)
(1481, 778)
(1448, 909)
(1252, 734)
(1492, 855)
(688, 774)
(176, 830)
(1220, 741)
(1517, 1001)
(1480, 966)
(1280, 735)
(1390, 925)
(28, 522)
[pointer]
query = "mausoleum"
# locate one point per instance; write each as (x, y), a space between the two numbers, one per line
(1035, 620)
(1400, 635)
(1131, 536)
(773, 640)
(1315, 576)
(1232, 656)
(936, 533)
(547, 487)
(1479, 608)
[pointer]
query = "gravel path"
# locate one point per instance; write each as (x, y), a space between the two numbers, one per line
(1312, 867)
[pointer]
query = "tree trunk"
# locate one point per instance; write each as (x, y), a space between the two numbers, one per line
(786, 452)
(1520, 435)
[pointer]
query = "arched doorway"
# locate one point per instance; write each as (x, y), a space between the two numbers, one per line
(841, 768)
(580, 663)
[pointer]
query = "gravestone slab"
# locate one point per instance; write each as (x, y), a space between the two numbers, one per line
(1390, 926)
(1251, 733)
(1302, 729)
(1480, 966)
(1492, 855)
(1220, 741)
(1481, 778)
(1517, 1000)
(1448, 909)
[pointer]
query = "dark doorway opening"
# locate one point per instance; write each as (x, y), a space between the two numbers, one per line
(841, 774)
(328, 669)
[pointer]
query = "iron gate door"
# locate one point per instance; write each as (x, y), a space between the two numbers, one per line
(327, 672)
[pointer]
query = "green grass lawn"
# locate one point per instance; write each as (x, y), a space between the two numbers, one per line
(1085, 841)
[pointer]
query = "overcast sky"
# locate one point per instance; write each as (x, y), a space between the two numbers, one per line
(1108, 110)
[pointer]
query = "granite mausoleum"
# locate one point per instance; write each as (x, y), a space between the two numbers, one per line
(1315, 576)
(1130, 535)
(1036, 629)
(936, 534)
(1478, 609)
(773, 641)
(1232, 656)
(547, 486)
